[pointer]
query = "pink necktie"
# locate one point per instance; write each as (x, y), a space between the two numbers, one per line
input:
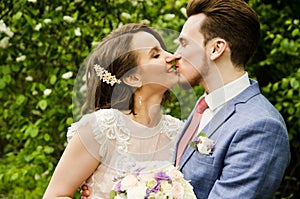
(191, 129)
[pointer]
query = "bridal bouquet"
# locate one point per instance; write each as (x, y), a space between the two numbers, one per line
(160, 184)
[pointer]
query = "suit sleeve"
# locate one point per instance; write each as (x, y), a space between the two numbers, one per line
(255, 162)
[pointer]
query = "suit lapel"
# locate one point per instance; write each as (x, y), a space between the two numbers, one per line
(226, 112)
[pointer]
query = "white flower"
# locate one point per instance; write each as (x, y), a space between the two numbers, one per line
(126, 15)
(29, 78)
(149, 2)
(21, 58)
(4, 42)
(137, 192)
(205, 145)
(77, 32)
(34, 92)
(47, 92)
(5, 29)
(2, 26)
(118, 197)
(67, 75)
(95, 43)
(38, 27)
(83, 89)
(183, 11)
(169, 16)
(145, 21)
(165, 186)
(47, 21)
(59, 8)
(37, 176)
(68, 19)
(33, 1)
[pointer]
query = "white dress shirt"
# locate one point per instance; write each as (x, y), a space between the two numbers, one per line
(218, 98)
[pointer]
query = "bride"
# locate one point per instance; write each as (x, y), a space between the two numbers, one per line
(128, 77)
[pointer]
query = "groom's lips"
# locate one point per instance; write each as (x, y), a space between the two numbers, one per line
(172, 69)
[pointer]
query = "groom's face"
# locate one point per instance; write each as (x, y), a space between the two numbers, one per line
(193, 65)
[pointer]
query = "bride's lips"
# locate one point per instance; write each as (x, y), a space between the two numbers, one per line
(172, 69)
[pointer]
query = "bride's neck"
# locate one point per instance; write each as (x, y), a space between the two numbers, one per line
(147, 108)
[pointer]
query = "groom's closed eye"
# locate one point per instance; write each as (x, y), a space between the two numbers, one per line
(183, 42)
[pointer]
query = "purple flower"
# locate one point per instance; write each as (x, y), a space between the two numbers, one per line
(118, 187)
(156, 188)
(162, 176)
(137, 171)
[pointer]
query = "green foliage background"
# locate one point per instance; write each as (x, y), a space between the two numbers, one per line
(39, 45)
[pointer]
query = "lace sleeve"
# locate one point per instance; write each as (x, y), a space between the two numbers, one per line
(173, 126)
(86, 128)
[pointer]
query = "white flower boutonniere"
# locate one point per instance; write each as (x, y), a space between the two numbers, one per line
(203, 144)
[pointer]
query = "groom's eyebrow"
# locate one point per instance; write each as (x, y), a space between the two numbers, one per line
(182, 40)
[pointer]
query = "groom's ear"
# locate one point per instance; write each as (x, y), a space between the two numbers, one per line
(133, 80)
(217, 48)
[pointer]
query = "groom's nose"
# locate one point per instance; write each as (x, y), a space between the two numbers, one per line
(173, 58)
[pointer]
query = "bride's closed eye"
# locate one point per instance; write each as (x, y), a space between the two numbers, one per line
(156, 55)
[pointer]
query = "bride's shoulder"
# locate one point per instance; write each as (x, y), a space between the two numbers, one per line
(173, 120)
(102, 116)
(172, 126)
(107, 115)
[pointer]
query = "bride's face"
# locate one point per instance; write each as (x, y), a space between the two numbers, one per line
(153, 68)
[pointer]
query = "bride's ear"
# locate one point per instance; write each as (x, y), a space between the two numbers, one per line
(133, 80)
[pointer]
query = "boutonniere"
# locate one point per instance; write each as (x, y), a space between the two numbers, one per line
(203, 144)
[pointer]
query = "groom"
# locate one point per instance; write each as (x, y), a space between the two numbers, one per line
(251, 147)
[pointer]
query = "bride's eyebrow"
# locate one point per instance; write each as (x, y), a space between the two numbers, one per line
(154, 49)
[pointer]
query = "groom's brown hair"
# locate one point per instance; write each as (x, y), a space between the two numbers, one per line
(232, 20)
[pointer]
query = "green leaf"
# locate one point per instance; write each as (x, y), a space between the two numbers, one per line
(43, 104)
(284, 83)
(48, 149)
(294, 83)
(69, 121)
(2, 84)
(295, 32)
(112, 194)
(201, 134)
(47, 137)
(17, 16)
(14, 176)
(53, 79)
(193, 145)
(32, 131)
(20, 100)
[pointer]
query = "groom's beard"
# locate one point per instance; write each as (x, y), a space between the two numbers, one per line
(184, 84)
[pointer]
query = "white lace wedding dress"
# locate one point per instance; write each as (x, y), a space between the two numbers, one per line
(123, 145)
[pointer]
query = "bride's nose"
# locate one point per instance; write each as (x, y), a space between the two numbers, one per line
(170, 57)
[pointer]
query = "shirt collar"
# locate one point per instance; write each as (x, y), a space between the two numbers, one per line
(222, 95)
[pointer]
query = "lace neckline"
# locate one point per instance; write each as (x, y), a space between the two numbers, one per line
(138, 129)
(127, 117)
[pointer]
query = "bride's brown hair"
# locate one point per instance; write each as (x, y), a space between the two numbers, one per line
(115, 55)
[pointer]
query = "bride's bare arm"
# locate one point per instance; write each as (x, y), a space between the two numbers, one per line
(74, 167)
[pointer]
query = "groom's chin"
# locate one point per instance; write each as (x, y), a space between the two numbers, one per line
(185, 85)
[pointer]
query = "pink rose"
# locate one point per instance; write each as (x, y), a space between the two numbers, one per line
(177, 190)
(128, 182)
(175, 174)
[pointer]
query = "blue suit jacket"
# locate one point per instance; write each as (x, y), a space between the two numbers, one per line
(251, 150)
